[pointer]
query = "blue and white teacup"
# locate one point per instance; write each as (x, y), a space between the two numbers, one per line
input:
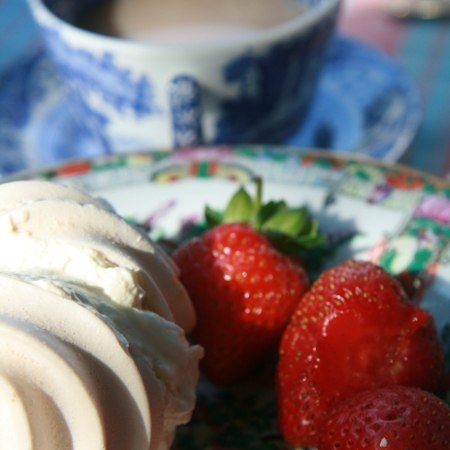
(175, 73)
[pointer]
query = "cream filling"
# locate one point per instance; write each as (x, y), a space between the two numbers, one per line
(86, 267)
(77, 223)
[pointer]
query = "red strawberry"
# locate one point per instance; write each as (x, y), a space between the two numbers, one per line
(243, 291)
(243, 287)
(354, 330)
(393, 418)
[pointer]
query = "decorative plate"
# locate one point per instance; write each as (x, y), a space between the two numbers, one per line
(364, 104)
(401, 218)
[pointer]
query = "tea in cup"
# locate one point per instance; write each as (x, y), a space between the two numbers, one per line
(162, 74)
(179, 21)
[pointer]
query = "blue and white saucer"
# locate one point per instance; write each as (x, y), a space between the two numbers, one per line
(364, 104)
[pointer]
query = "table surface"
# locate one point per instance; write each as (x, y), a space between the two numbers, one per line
(420, 48)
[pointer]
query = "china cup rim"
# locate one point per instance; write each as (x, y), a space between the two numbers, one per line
(300, 24)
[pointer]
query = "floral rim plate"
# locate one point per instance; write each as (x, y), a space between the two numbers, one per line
(402, 220)
(379, 118)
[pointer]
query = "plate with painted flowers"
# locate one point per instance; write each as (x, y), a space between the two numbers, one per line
(388, 215)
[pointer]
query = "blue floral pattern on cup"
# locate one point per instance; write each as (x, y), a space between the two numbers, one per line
(185, 107)
(101, 73)
(268, 96)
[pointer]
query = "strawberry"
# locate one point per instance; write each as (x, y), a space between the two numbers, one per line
(394, 417)
(243, 291)
(354, 330)
(243, 288)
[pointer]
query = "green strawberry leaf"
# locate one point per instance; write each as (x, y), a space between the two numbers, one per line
(290, 229)
(292, 222)
(266, 211)
(295, 245)
(240, 208)
(212, 217)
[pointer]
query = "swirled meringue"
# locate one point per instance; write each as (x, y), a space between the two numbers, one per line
(93, 351)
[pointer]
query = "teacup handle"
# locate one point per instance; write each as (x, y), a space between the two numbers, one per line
(186, 111)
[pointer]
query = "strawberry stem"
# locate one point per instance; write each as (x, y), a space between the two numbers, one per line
(257, 204)
(258, 197)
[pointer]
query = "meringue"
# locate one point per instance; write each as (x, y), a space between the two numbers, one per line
(93, 323)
